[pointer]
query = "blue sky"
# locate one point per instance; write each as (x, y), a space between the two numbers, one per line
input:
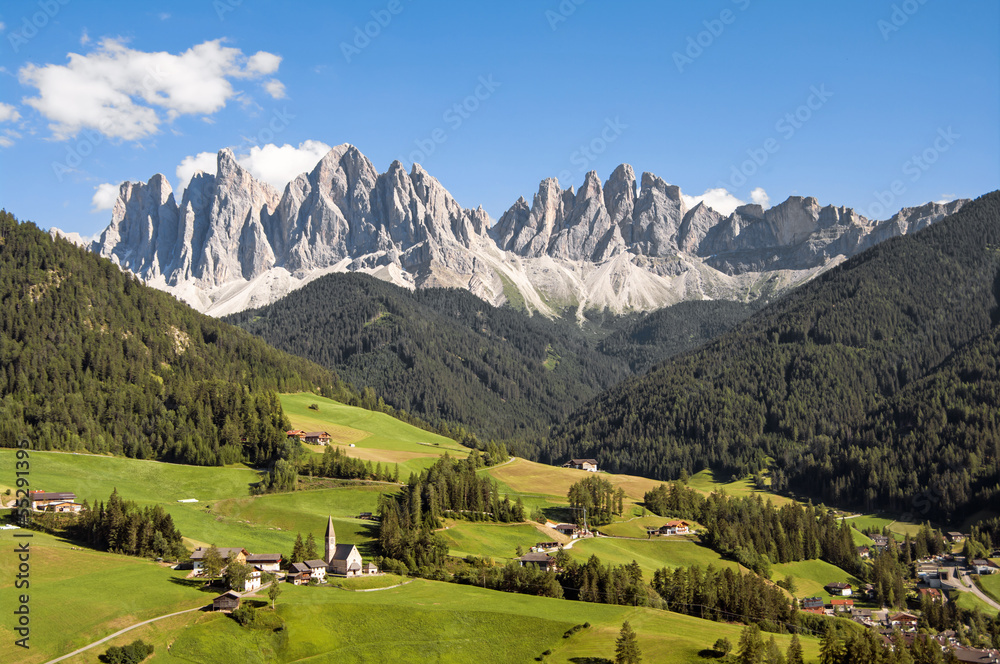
(875, 104)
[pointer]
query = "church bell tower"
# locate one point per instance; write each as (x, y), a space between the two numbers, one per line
(331, 542)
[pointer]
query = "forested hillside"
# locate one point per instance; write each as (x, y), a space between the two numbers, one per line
(449, 356)
(876, 384)
(91, 359)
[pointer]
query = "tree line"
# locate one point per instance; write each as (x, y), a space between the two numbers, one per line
(121, 526)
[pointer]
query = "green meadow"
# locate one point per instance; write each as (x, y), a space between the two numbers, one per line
(811, 576)
(651, 554)
(495, 540)
(440, 622)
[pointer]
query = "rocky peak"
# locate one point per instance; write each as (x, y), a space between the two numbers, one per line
(619, 194)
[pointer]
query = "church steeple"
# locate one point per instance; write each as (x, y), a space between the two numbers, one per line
(331, 541)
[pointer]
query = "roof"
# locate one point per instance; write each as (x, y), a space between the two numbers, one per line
(564, 526)
(342, 551)
(224, 552)
(317, 434)
(583, 461)
(979, 562)
(354, 566)
(675, 523)
(329, 527)
(842, 602)
(902, 615)
(229, 594)
(316, 564)
(955, 534)
(535, 558)
(264, 558)
(838, 585)
(300, 568)
(42, 495)
(370, 566)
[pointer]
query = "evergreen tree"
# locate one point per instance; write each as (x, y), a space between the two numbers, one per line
(627, 646)
(310, 550)
(751, 648)
(298, 550)
(212, 563)
(794, 653)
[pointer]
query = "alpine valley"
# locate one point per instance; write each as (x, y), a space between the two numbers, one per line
(233, 242)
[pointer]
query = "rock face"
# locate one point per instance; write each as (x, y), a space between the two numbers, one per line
(234, 242)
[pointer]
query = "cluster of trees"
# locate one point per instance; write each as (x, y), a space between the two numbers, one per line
(282, 476)
(752, 649)
(92, 359)
(725, 595)
(607, 584)
(756, 532)
(451, 487)
(133, 653)
(302, 552)
(827, 385)
(511, 578)
(121, 526)
(334, 463)
(599, 497)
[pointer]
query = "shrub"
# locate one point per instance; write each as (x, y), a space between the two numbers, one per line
(133, 653)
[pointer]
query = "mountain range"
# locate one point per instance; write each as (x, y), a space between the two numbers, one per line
(233, 242)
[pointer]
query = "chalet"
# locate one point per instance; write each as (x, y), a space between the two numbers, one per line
(904, 620)
(198, 556)
(265, 562)
(299, 574)
(227, 601)
(545, 546)
(864, 552)
(540, 560)
(865, 616)
(316, 437)
(812, 603)
(981, 566)
(568, 529)
(252, 581)
(931, 593)
(366, 516)
(317, 570)
(582, 464)
(45, 501)
(837, 588)
(839, 604)
(956, 537)
(340, 559)
(295, 433)
(675, 528)
(880, 542)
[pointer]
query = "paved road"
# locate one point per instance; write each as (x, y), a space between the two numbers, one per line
(122, 631)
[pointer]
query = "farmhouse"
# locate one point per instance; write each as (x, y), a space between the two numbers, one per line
(43, 501)
(837, 588)
(675, 528)
(316, 437)
(198, 556)
(540, 560)
(366, 516)
(956, 537)
(932, 593)
(317, 570)
(299, 574)
(902, 619)
(880, 542)
(864, 552)
(252, 581)
(545, 546)
(582, 464)
(568, 529)
(227, 601)
(812, 603)
(295, 433)
(842, 604)
(265, 562)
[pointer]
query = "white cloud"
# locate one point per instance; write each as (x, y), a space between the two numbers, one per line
(718, 199)
(3, 26)
(760, 197)
(276, 165)
(164, 16)
(104, 197)
(275, 88)
(127, 94)
(84, 38)
(8, 113)
(945, 198)
(203, 161)
(6, 141)
(263, 63)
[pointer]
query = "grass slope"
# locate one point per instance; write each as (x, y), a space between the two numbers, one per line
(495, 540)
(811, 576)
(650, 554)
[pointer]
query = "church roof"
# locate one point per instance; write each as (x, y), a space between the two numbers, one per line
(343, 551)
(329, 527)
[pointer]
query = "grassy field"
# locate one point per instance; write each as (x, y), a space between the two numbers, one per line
(427, 621)
(811, 576)
(523, 476)
(650, 554)
(970, 602)
(377, 437)
(706, 482)
(494, 540)
(899, 529)
(990, 584)
(78, 596)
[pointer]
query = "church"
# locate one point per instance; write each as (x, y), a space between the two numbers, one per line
(343, 559)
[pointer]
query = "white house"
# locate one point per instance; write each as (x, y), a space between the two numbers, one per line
(265, 562)
(252, 582)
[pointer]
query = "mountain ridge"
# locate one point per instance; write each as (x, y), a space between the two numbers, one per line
(234, 242)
